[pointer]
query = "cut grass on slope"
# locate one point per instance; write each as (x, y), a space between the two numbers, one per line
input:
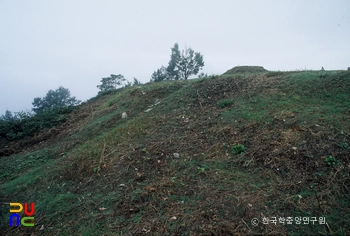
(122, 177)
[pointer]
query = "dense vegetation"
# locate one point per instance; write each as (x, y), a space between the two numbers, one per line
(48, 111)
(23, 124)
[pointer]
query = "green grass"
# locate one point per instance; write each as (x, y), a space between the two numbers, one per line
(224, 103)
(304, 94)
(245, 69)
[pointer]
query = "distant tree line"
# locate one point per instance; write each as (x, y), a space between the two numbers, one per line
(181, 65)
(52, 109)
(48, 111)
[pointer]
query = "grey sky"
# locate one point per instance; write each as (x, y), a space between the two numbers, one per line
(47, 44)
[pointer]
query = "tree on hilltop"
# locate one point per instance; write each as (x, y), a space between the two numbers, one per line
(184, 64)
(181, 65)
(160, 75)
(135, 83)
(111, 83)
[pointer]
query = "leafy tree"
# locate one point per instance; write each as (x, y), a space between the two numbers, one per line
(54, 99)
(7, 123)
(202, 75)
(128, 84)
(22, 124)
(184, 64)
(136, 82)
(111, 83)
(11, 125)
(160, 75)
(175, 58)
(51, 110)
(8, 116)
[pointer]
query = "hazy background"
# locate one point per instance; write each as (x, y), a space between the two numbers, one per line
(47, 44)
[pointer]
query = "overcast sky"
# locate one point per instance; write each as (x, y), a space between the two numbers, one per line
(47, 44)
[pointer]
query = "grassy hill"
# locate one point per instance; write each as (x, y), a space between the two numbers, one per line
(207, 156)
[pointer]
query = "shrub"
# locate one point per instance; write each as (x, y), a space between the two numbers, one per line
(27, 124)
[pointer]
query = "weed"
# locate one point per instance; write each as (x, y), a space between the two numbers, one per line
(97, 169)
(147, 156)
(332, 161)
(274, 73)
(213, 76)
(238, 149)
(344, 145)
(206, 76)
(200, 169)
(224, 103)
(145, 151)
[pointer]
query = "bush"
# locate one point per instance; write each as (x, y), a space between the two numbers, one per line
(27, 124)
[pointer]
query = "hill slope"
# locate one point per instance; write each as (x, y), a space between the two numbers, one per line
(176, 165)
